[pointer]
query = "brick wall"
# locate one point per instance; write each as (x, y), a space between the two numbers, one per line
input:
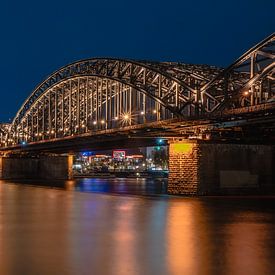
(199, 168)
(184, 159)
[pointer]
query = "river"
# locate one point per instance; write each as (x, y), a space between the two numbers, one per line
(129, 226)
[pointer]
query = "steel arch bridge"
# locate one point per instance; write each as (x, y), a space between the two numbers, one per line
(106, 93)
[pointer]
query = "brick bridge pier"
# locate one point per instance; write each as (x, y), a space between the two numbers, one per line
(205, 168)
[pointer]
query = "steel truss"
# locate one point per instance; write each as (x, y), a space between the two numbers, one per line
(106, 93)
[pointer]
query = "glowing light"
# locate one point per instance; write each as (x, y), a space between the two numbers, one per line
(116, 118)
(52, 131)
(94, 122)
(160, 141)
(154, 111)
(246, 93)
(142, 112)
(102, 121)
(83, 126)
(126, 116)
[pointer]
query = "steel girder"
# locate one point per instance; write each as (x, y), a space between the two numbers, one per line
(174, 86)
(77, 97)
(248, 81)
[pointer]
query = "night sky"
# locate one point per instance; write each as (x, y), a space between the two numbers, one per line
(38, 37)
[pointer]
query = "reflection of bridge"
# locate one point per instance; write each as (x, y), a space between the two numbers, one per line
(92, 102)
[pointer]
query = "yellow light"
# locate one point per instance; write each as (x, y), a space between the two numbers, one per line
(116, 118)
(142, 112)
(126, 116)
(246, 93)
(154, 111)
(178, 148)
(94, 122)
(102, 121)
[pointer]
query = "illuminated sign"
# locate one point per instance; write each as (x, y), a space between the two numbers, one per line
(119, 154)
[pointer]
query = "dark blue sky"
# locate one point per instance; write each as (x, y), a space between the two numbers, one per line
(38, 37)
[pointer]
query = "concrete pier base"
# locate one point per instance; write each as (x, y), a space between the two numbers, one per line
(42, 167)
(200, 168)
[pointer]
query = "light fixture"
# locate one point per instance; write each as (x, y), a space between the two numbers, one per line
(102, 121)
(142, 112)
(94, 122)
(154, 111)
(116, 118)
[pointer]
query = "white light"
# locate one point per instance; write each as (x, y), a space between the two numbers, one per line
(102, 121)
(126, 116)
(142, 112)
(94, 122)
(154, 111)
(116, 118)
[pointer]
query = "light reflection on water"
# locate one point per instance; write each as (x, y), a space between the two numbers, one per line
(52, 231)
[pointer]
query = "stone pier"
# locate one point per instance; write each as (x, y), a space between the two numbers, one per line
(204, 168)
(39, 167)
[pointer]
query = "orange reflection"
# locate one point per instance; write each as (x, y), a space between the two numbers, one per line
(181, 240)
(244, 251)
(125, 240)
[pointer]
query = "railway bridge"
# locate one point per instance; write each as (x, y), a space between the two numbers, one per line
(219, 123)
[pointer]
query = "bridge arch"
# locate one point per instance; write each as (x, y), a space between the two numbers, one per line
(78, 97)
(249, 79)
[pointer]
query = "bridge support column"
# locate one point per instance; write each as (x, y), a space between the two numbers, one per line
(184, 160)
(39, 167)
(203, 168)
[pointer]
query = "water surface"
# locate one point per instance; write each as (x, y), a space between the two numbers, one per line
(60, 231)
